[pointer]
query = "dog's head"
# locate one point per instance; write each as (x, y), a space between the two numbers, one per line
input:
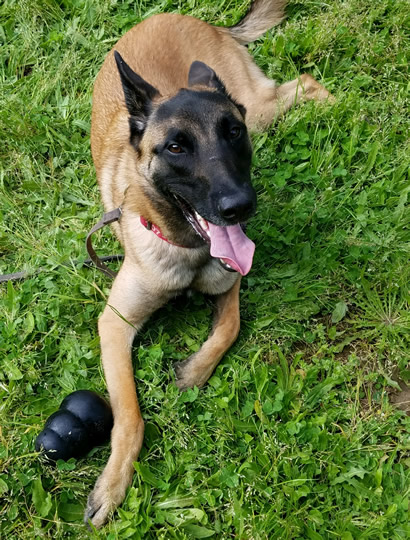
(194, 147)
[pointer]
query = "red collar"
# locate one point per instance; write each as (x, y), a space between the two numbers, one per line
(156, 230)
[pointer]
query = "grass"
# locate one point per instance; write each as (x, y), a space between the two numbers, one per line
(294, 437)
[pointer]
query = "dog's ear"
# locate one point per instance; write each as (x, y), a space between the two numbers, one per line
(201, 74)
(138, 95)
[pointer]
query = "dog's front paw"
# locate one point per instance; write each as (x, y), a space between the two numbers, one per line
(103, 500)
(179, 369)
(190, 373)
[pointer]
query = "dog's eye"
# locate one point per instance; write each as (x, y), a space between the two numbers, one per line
(175, 148)
(235, 132)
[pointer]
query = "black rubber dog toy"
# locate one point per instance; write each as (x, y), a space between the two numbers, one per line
(83, 421)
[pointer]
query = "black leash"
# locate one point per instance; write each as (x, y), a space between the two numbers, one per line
(107, 218)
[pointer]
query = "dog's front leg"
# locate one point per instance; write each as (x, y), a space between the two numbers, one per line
(130, 303)
(197, 369)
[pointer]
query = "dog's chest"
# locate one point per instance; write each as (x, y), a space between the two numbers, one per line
(213, 279)
(173, 269)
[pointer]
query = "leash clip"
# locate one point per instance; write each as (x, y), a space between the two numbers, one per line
(108, 217)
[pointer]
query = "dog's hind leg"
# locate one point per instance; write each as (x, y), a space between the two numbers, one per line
(130, 303)
(302, 89)
(197, 369)
(264, 108)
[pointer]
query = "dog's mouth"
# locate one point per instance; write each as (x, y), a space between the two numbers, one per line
(229, 244)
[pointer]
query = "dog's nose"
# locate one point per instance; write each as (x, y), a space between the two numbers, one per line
(237, 208)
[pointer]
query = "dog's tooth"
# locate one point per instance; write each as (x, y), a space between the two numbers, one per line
(202, 222)
(226, 264)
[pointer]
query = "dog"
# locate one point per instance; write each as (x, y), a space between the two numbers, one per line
(172, 106)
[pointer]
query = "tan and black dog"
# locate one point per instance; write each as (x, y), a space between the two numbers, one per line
(172, 106)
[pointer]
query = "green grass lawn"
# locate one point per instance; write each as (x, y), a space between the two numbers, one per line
(294, 436)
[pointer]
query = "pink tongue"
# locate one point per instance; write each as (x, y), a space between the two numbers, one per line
(232, 246)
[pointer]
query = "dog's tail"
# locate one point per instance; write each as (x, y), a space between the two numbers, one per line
(262, 15)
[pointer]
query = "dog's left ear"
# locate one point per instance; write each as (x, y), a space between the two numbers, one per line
(138, 95)
(203, 75)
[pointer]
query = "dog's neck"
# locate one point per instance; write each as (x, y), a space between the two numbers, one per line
(156, 230)
(152, 207)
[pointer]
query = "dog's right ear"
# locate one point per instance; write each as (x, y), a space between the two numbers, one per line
(138, 96)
